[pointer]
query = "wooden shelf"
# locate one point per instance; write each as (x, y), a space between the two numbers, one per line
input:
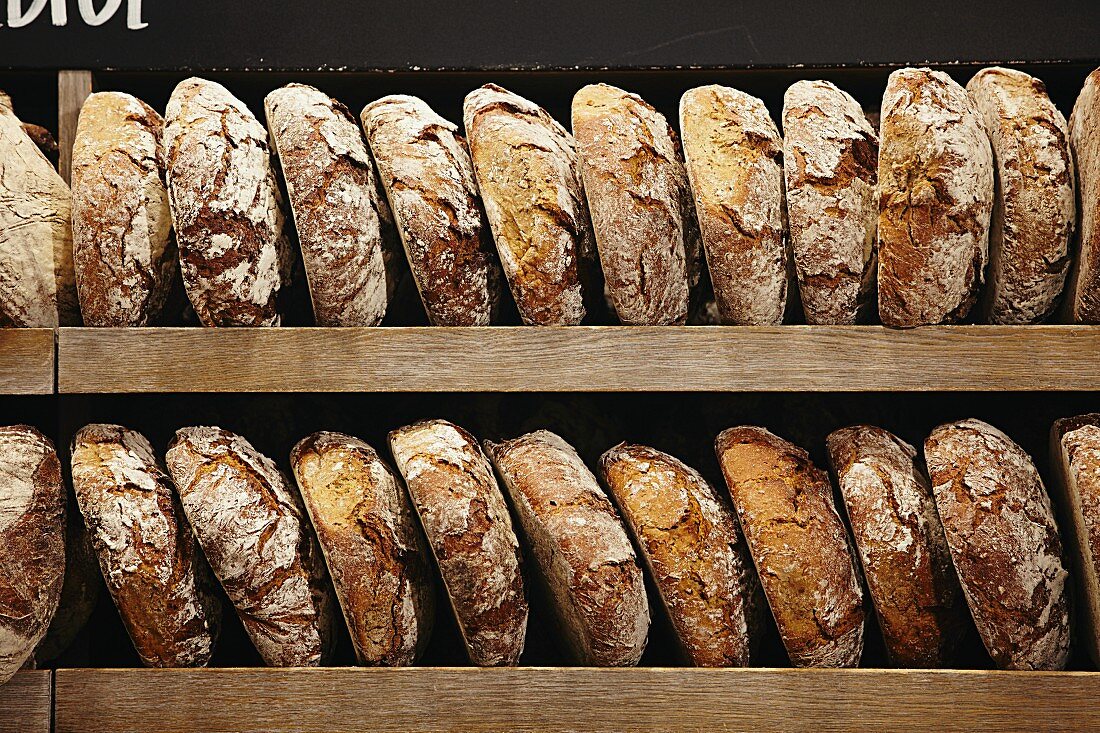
(579, 359)
(25, 703)
(563, 699)
(26, 361)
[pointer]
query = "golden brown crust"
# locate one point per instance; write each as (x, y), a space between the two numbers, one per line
(1084, 135)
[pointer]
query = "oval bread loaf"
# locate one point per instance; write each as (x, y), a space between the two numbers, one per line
(1004, 543)
(426, 172)
(253, 530)
(799, 545)
(580, 548)
(1034, 210)
(156, 574)
(694, 550)
(640, 204)
(37, 282)
(901, 545)
(935, 174)
(79, 592)
(123, 248)
(466, 520)
(734, 160)
(1084, 137)
(372, 545)
(830, 164)
(225, 205)
(332, 190)
(529, 180)
(32, 535)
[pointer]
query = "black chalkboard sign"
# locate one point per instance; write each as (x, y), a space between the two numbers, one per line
(536, 34)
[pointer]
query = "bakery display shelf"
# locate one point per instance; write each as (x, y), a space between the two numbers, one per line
(25, 703)
(579, 359)
(26, 361)
(548, 699)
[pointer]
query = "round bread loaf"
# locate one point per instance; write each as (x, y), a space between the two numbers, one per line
(694, 550)
(734, 159)
(156, 574)
(1084, 138)
(830, 164)
(123, 248)
(1033, 210)
(799, 545)
(372, 545)
(901, 545)
(580, 549)
(935, 174)
(32, 535)
(253, 530)
(464, 516)
(1004, 543)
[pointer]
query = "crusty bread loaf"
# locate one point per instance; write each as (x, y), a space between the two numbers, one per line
(901, 545)
(44, 139)
(530, 183)
(252, 528)
(372, 545)
(799, 545)
(1033, 209)
(123, 248)
(333, 193)
(580, 548)
(79, 593)
(226, 207)
(1004, 543)
(1075, 456)
(32, 535)
(470, 532)
(935, 174)
(1084, 137)
(830, 164)
(37, 284)
(640, 203)
(426, 172)
(735, 164)
(694, 550)
(157, 576)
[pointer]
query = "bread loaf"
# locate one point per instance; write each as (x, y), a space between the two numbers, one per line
(372, 546)
(331, 185)
(640, 203)
(252, 528)
(1075, 454)
(470, 532)
(694, 550)
(429, 182)
(1033, 208)
(123, 248)
(44, 139)
(32, 535)
(226, 207)
(830, 164)
(37, 284)
(735, 164)
(901, 545)
(158, 578)
(80, 590)
(580, 548)
(1004, 543)
(799, 545)
(527, 173)
(935, 175)
(1084, 138)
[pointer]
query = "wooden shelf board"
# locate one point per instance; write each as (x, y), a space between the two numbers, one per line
(579, 359)
(26, 361)
(414, 700)
(25, 703)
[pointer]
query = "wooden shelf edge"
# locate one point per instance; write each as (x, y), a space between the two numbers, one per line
(27, 361)
(413, 700)
(25, 703)
(579, 359)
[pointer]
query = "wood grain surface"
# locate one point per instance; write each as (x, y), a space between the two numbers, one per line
(569, 699)
(73, 87)
(598, 359)
(26, 361)
(25, 703)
